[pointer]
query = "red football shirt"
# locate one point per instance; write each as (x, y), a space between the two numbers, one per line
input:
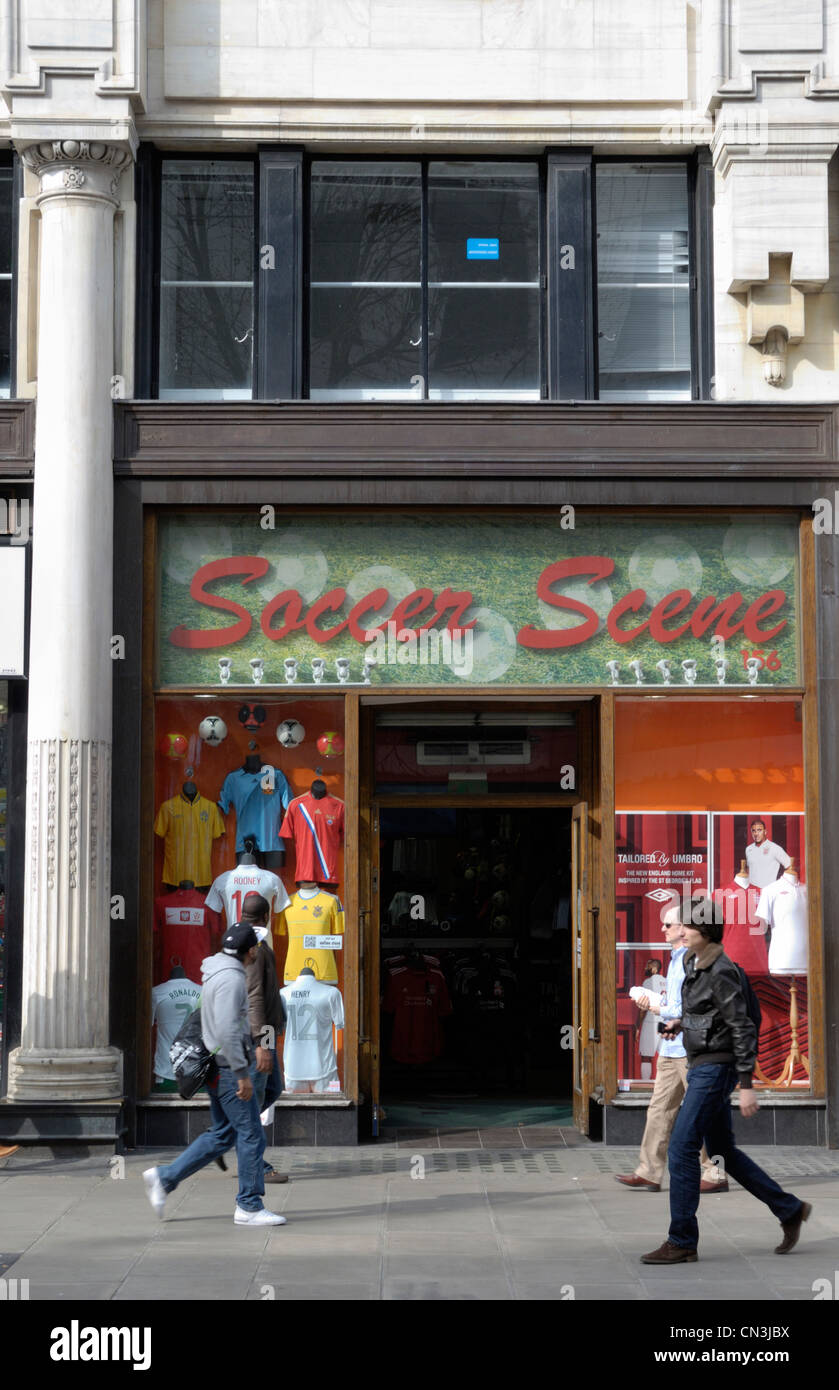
(316, 825)
(743, 939)
(418, 1000)
(184, 928)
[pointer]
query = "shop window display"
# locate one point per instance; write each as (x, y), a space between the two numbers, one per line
(249, 799)
(716, 798)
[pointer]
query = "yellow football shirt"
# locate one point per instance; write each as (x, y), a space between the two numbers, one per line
(188, 829)
(319, 915)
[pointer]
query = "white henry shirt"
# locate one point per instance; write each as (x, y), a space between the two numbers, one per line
(311, 1009)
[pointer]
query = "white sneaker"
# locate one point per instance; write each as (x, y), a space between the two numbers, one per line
(155, 1191)
(263, 1217)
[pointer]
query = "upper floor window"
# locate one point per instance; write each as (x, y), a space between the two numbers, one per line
(643, 282)
(7, 224)
(206, 280)
(425, 279)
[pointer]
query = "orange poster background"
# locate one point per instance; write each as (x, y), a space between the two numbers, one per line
(715, 755)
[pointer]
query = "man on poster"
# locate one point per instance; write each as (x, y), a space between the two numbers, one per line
(764, 858)
(671, 1076)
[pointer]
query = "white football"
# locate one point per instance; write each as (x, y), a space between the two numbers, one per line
(213, 730)
(290, 733)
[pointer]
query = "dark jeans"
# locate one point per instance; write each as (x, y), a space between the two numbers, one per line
(267, 1086)
(236, 1122)
(706, 1115)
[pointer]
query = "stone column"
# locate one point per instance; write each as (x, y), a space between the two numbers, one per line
(64, 1052)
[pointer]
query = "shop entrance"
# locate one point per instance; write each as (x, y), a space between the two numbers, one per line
(471, 971)
(476, 963)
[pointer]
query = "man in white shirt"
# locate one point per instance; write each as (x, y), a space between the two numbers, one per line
(671, 1076)
(764, 858)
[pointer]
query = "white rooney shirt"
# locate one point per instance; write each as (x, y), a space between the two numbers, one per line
(232, 887)
(783, 905)
(764, 861)
(311, 1008)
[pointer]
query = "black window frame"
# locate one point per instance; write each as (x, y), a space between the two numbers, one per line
(424, 160)
(568, 357)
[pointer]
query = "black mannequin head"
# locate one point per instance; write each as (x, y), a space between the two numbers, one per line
(190, 790)
(186, 883)
(318, 789)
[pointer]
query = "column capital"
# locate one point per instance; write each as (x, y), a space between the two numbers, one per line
(69, 167)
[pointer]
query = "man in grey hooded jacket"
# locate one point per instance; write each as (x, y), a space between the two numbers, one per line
(233, 1105)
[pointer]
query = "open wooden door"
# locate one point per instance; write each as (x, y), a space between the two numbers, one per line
(583, 968)
(368, 980)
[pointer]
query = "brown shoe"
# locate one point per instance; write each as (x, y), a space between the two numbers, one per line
(706, 1185)
(668, 1254)
(633, 1180)
(792, 1229)
(276, 1177)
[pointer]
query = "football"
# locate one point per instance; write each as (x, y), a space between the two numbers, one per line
(174, 745)
(331, 744)
(290, 733)
(213, 730)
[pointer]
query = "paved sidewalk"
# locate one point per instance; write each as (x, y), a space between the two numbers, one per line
(387, 1222)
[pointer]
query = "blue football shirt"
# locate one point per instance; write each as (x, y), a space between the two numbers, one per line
(258, 811)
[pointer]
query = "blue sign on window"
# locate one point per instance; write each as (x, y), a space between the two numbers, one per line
(482, 248)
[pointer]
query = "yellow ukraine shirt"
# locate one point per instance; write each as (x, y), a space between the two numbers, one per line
(319, 915)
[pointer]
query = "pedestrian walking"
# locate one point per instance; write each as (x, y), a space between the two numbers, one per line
(265, 1014)
(670, 1077)
(233, 1105)
(721, 1044)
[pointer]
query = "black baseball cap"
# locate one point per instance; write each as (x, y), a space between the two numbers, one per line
(238, 939)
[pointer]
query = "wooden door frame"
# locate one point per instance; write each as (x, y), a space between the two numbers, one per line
(595, 766)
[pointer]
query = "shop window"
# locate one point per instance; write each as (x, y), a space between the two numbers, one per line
(206, 280)
(230, 773)
(7, 224)
(710, 803)
(424, 281)
(643, 282)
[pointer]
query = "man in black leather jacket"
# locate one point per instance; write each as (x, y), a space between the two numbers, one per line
(721, 1045)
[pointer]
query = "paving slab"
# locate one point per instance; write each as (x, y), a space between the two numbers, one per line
(493, 1224)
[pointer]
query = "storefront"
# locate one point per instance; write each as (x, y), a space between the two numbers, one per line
(538, 715)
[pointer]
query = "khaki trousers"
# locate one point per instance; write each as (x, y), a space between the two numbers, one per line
(670, 1086)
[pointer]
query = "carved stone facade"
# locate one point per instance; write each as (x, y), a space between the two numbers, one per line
(64, 1052)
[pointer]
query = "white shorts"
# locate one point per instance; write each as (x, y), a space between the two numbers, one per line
(331, 1082)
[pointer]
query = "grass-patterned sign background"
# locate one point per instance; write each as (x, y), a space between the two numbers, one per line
(500, 561)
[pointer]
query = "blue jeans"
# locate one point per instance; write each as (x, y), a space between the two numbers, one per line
(706, 1115)
(267, 1086)
(236, 1122)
